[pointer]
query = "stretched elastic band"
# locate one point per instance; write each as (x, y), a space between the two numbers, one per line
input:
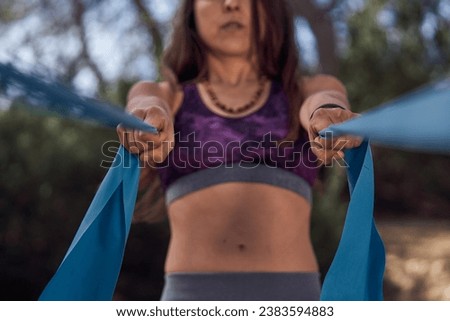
(91, 267)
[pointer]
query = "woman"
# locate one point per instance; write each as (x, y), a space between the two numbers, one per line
(233, 152)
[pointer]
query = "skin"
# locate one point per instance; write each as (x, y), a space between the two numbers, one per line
(236, 226)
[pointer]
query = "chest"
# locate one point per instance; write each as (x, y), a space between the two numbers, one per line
(196, 122)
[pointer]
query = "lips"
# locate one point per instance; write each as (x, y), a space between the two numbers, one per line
(232, 25)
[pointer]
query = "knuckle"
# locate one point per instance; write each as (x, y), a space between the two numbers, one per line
(158, 157)
(138, 112)
(133, 149)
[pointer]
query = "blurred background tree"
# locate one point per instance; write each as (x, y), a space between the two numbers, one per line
(50, 168)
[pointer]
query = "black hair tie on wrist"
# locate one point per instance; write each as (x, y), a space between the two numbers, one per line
(326, 106)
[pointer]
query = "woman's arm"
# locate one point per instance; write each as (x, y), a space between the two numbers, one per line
(320, 90)
(146, 93)
(326, 103)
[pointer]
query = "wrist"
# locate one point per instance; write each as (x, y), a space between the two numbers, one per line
(326, 106)
(145, 103)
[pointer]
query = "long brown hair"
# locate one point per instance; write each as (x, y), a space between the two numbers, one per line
(277, 52)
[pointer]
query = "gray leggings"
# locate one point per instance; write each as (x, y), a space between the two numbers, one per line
(242, 286)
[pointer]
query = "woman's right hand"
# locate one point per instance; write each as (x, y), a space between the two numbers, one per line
(151, 148)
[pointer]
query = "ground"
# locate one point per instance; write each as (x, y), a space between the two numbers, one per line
(417, 259)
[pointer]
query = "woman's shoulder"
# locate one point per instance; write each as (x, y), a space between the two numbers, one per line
(321, 82)
(171, 93)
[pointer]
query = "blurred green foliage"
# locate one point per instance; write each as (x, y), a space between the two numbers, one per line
(385, 60)
(49, 171)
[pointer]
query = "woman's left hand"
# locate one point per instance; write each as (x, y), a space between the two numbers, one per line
(331, 148)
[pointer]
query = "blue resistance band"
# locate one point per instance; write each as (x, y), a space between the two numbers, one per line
(357, 270)
(419, 121)
(91, 267)
(56, 98)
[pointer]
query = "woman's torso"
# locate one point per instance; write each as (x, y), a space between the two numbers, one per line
(237, 226)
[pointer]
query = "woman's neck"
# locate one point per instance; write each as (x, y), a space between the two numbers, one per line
(231, 71)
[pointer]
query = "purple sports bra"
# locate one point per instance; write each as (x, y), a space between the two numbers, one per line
(206, 140)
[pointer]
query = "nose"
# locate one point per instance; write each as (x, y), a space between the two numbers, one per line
(232, 5)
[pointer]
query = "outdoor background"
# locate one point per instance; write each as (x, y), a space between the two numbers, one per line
(50, 168)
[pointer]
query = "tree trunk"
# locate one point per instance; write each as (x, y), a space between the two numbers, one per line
(323, 29)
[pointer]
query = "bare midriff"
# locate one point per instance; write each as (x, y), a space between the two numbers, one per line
(240, 227)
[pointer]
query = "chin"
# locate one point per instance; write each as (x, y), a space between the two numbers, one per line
(235, 50)
(235, 53)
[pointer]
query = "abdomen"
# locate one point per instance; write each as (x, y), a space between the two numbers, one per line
(240, 227)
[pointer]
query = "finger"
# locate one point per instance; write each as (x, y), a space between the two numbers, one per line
(346, 142)
(147, 159)
(339, 144)
(121, 134)
(323, 155)
(152, 157)
(149, 141)
(126, 139)
(321, 142)
(319, 152)
(139, 113)
(323, 118)
(140, 145)
(153, 141)
(319, 123)
(329, 156)
(157, 121)
(139, 137)
(165, 148)
(353, 141)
